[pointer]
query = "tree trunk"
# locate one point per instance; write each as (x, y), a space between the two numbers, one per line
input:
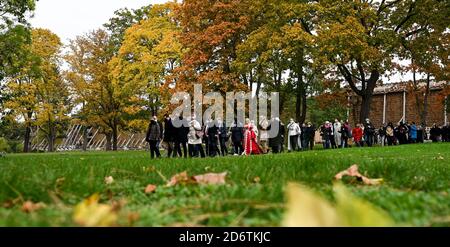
(424, 114)
(108, 141)
(300, 104)
(114, 137)
(26, 142)
(366, 100)
(85, 138)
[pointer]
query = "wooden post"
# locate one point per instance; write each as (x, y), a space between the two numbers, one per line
(445, 110)
(404, 106)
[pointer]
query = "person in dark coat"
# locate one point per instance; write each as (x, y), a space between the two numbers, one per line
(420, 134)
(212, 133)
(276, 142)
(369, 133)
(345, 134)
(435, 133)
(223, 137)
(181, 138)
(237, 137)
(446, 133)
(169, 135)
(153, 136)
(310, 135)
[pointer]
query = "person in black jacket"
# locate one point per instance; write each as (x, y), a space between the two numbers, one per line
(276, 142)
(435, 132)
(223, 137)
(237, 137)
(181, 138)
(153, 136)
(169, 135)
(213, 136)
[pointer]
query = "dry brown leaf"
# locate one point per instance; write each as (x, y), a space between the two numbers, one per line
(211, 178)
(151, 188)
(353, 171)
(133, 217)
(118, 205)
(181, 178)
(29, 206)
(257, 180)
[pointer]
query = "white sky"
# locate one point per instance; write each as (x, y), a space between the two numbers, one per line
(69, 18)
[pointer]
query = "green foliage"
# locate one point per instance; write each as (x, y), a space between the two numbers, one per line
(4, 145)
(415, 192)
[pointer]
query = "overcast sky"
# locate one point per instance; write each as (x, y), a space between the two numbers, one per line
(69, 18)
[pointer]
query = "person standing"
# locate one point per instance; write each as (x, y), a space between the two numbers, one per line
(435, 133)
(345, 134)
(213, 136)
(195, 136)
(237, 137)
(390, 134)
(357, 134)
(382, 135)
(250, 144)
(402, 132)
(181, 138)
(337, 133)
(275, 142)
(223, 137)
(293, 132)
(153, 136)
(369, 132)
(413, 133)
(327, 134)
(169, 135)
(263, 135)
(420, 134)
(310, 135)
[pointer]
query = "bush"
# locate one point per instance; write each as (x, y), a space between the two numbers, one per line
(4, 145)
(16, 146)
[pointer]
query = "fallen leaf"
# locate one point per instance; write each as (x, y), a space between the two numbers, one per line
(353, 171)
(181, 178)
(257, 180)
(150, 189)
(133, 217)
(109, 180)
(29, 206)
(211, 178)
(440, 158)
(306, 208)
(91, 213)
(116, 206)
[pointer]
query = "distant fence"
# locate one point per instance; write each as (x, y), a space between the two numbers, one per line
(73, 140)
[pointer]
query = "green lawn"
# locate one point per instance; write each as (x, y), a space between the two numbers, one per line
(415, 192)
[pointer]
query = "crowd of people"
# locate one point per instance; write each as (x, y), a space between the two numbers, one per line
(214, 138)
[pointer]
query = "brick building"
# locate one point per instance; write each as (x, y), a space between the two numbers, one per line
(393, 102)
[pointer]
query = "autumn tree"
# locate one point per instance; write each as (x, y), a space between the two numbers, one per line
(211, 32)
(121, 21)
(14, 36)
(37, 94)
(360, 38)
(54, 103)
(427, 49)
(279, 53)
(150, 52)
(105, 102)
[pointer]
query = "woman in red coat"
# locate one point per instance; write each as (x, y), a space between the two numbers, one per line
(357, 133)
(250, 144)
